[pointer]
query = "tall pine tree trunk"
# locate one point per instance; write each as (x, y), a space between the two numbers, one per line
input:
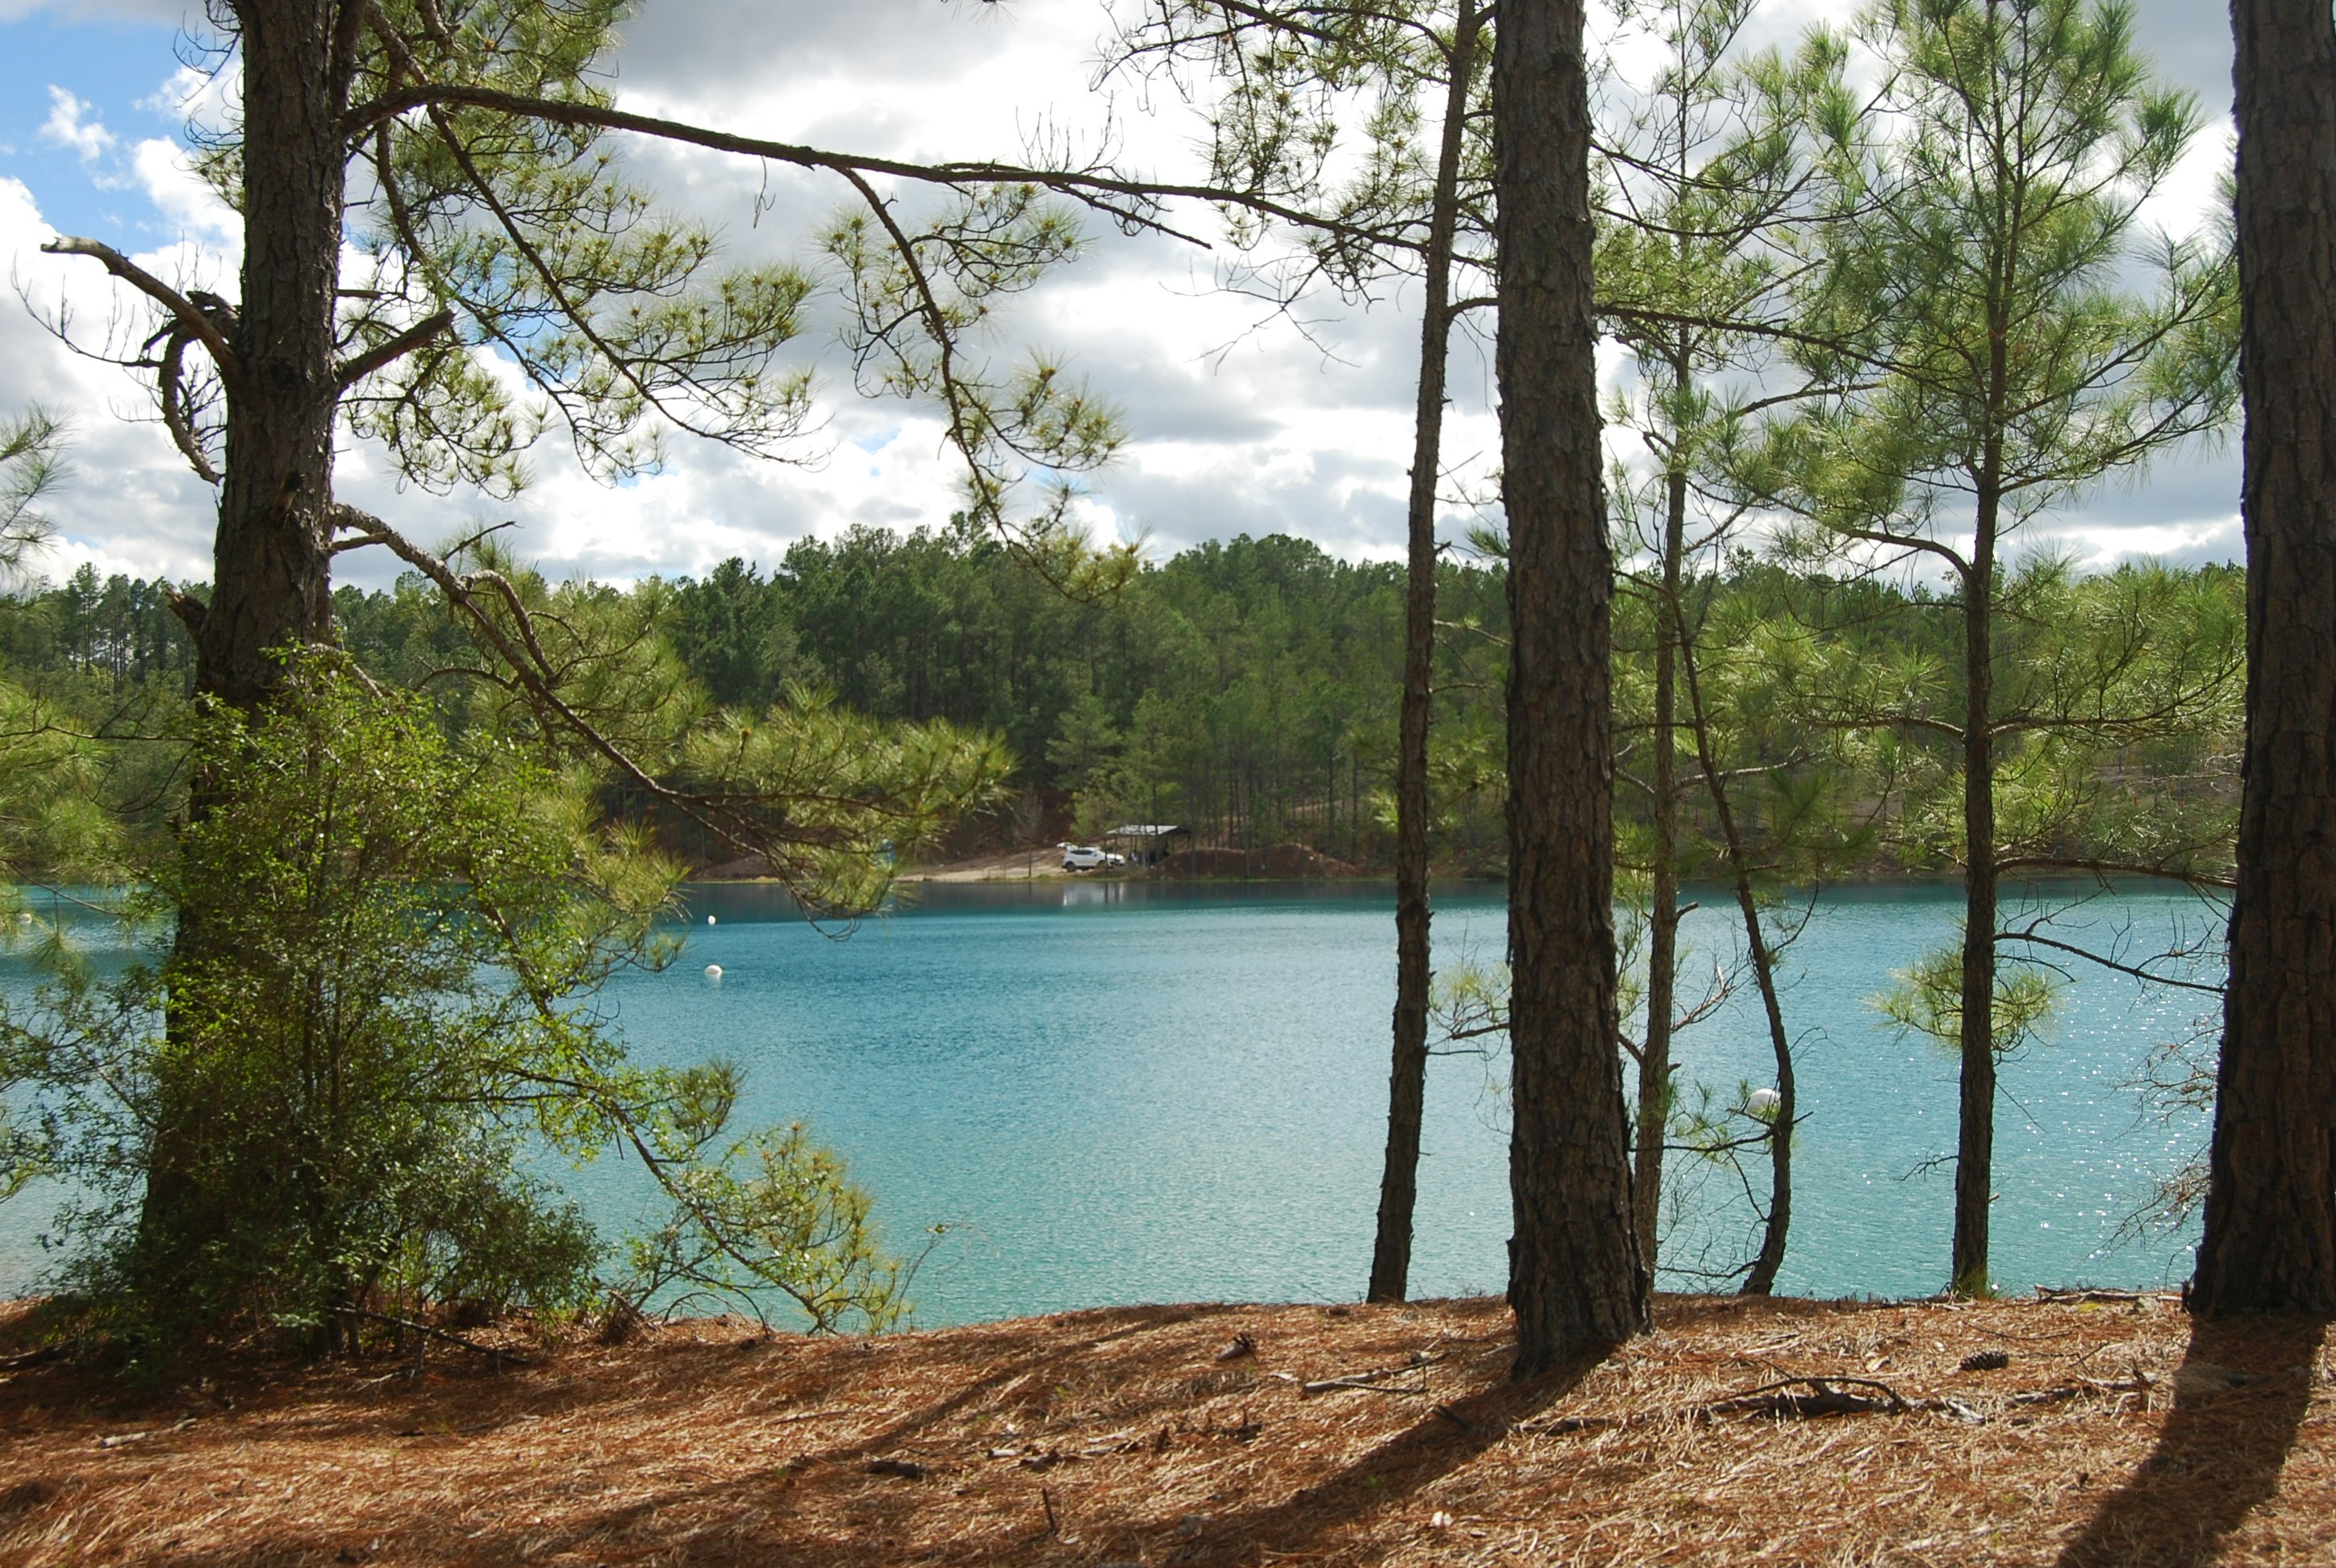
(1576, 1279)
(2269, 1241)
(1975, 1137)
(1664, 911)
(271, 571)
(271, 579)
(1407, 1077)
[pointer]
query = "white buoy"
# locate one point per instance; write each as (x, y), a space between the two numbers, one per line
(713, 971)
(1764, 1102)
(709, 920)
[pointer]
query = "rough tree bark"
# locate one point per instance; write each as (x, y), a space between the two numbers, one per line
(2269, 1241)
(1975, 1137)
(1576, 1279)
(271, 566)
(1407, 1077)
(271, 572)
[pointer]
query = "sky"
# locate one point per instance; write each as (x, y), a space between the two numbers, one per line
(1237, 421)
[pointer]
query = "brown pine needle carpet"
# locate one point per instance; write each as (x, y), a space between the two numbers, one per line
(2075, 1431)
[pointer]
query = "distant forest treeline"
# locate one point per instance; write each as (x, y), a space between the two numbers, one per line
(1248, 688)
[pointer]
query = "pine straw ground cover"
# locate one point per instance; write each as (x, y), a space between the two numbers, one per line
(1188, 1434)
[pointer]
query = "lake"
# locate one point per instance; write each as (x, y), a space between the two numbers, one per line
(1114, 1093)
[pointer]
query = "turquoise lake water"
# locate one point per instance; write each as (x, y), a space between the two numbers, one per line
(1114, 1093)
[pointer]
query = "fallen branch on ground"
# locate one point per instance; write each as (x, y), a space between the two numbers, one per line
(2078, 1390)
(1371, 1380)
(1822, 1399)
(2055, 1293)
(1368, 1384)
(1766, 1399)
(46, 1353)
(440, 1335)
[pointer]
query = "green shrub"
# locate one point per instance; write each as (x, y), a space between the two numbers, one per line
(313, 1104)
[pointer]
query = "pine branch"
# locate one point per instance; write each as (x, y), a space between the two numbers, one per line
(190, 316)
(1132, 202)
(415, 336)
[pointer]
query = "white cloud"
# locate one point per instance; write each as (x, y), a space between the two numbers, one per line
(190, 210)
(132, 506)
(1276, 433)
(2190, 199)
(178, 92)
(2186, 544)
(68, 126)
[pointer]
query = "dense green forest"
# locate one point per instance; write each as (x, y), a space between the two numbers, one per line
(1248, 687)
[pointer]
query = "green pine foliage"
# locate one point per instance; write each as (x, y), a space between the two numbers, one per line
(1248, 687)
(355, 1081)
(394, 1009)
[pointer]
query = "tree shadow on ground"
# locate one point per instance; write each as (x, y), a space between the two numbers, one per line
(750, 1490)
(1447, 1437)
(2240, 1399)
(816, 1506)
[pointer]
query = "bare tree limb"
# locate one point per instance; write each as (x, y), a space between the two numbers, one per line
(198, 324)
(190, 610)
(427, 1331)
(1123, 199)
(415, 336)
(2028, 936)
(177, 415)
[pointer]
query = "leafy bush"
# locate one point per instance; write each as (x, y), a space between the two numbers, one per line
(312, 1103)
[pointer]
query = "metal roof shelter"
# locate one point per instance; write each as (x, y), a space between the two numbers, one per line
(1148, 842)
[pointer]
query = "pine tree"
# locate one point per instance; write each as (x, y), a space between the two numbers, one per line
(2270, 1242)
(1291, 77)
(1576, 1279)
(1997, 359)
(466, 148)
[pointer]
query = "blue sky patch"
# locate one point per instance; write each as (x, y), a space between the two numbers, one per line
(116, 70)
